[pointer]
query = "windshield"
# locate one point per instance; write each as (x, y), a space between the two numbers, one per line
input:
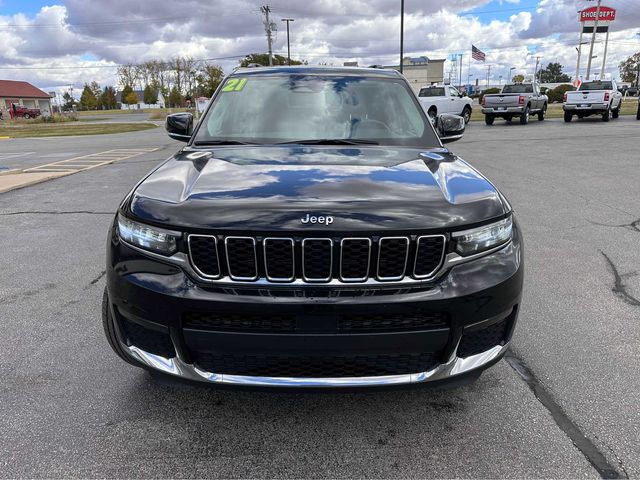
(518, 89)
(295, 108)
(596, 86)
(431, 92)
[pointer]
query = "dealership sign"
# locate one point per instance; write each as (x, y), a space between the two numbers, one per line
(607, 14)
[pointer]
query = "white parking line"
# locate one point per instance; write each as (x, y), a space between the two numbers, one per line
(92, 160)
(8, 156)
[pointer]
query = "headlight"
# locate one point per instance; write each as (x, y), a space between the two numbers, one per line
(483, 238)
(149, 238)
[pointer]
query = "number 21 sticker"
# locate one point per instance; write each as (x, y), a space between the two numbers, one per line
(234, 85)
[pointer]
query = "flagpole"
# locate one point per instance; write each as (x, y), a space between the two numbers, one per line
(469, 70)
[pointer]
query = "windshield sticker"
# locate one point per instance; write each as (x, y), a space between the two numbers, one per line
(234, 85)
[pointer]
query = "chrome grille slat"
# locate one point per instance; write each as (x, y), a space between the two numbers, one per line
(350, 261)
(236, 248)
(393, 253)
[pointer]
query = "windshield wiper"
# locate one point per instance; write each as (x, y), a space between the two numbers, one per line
(331, 141)
(221, 142)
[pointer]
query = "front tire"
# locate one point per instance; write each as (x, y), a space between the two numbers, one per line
(466, 114)
(568, 116)
(488, 119)
(606, 115)
(542, 112)
(432, 114)
(616, 113)
(524, 118)
(638, 114)
(26, 116)
(110, 330)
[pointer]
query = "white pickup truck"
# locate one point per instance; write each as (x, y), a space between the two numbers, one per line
(437, 99)
(599, 97)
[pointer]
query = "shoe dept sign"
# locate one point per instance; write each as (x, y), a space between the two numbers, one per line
(607, 14)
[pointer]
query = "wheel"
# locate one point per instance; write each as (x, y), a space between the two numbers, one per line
(606, 115)
(638, 114)
(488, 119)
(466, 114)
(524, 117)
(27, 116)
(542, 112)
(568, 116)
(110, 332)
(616, 113)
(432, 114)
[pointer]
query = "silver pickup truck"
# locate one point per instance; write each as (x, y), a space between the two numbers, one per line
(516, 100)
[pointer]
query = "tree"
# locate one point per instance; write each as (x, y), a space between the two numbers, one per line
(126, 91)
(553, 74)
(630, 68)
(88, 100)
(556, 95)
(175, 97)
(263, 59)
(150, 95)
(208, 79)
(108, 98)
(127, 75)
(517, 78)
(131, 98)
(69, 101)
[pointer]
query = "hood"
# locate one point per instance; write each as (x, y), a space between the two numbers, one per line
(270, 188)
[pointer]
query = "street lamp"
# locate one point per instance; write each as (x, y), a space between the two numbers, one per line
(288, 44)
(401, 33)
(511, 70)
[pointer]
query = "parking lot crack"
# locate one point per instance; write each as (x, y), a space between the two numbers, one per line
(619, 287)
(581, 441)
(633, 226)
(55, 212)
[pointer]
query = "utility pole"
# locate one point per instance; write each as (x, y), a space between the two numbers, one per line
(535, 72)
(593, 39)
(401, 33)
(460, 82)
(488, 74)
(266, 10)
(579, 53)
(288, 44)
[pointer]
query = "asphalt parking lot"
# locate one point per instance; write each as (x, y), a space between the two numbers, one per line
(565, 404)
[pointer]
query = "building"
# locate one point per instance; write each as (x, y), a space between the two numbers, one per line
(25, 94)
(140, 104)
(421, 71)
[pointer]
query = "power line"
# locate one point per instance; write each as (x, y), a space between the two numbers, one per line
(76, 67)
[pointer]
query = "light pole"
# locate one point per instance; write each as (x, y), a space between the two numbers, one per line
(288, 44)
(511, 70)
(401, 32)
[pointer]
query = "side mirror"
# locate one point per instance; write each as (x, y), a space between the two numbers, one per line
(179, 126)
(449, 127)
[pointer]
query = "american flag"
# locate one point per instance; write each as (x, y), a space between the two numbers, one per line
(477, 54)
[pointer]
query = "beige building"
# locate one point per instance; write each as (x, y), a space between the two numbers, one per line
(421, 71)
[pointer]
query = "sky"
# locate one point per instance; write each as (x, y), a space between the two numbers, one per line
(55, 44)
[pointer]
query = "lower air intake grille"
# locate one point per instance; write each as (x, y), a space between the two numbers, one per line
(478, 341)
(339, 366)
(239, 322)
(146, 339)
(382, 322)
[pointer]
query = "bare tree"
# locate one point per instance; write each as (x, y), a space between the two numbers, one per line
(127, 75)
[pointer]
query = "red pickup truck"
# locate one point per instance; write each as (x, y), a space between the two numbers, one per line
(19, 111)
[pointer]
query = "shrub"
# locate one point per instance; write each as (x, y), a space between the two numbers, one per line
(556, 94)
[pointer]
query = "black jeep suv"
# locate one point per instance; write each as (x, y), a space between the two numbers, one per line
(314, 232)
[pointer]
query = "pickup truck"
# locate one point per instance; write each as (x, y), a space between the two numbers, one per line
(437, 99)
(20, 111)
(599, 97)
(516, 100)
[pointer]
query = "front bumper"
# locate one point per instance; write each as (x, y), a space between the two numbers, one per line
(477, 297)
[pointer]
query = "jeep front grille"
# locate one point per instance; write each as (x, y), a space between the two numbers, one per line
(348, 260)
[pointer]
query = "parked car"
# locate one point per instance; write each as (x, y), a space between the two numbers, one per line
(516, 100)
(331, 243)
(632, 91)
(436, 99)
(598, 97)
(20, 111)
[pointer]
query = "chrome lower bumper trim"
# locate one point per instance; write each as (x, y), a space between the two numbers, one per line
(456, 366)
